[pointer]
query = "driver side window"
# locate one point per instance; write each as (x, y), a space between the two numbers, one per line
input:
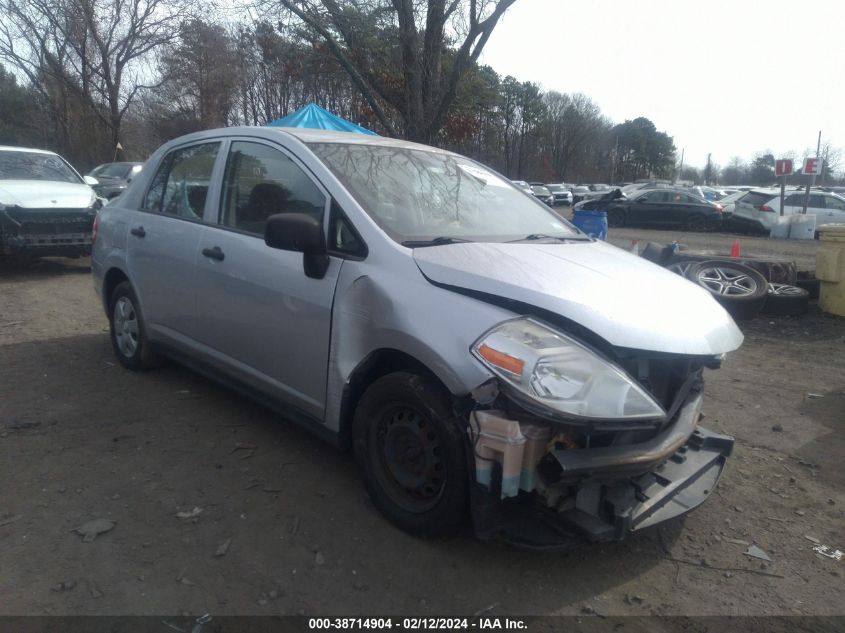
(260, 181)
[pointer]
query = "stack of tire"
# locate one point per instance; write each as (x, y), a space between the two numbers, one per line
(743, 291)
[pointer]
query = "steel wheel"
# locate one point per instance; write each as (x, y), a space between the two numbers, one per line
(409, 453)
(128, 330)
(125, 326)
(727, 282)
(412, 453)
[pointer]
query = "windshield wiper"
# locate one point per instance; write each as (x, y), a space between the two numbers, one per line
(542, 236)
(434, 241)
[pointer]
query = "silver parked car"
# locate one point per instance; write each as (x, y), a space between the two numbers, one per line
(477, 352)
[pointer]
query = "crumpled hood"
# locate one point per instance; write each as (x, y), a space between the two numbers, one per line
(625, 299)
(45, 194)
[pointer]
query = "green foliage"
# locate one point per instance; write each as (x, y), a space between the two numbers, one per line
(19, 108)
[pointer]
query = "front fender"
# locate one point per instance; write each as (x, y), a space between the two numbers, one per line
(399, 310)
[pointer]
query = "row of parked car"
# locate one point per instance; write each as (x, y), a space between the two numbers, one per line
(754, 211)
(694, 208)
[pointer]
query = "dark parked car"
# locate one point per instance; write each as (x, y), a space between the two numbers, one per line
(113, 178)
(668, 207)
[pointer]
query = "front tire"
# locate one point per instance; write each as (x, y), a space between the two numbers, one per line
(410, 449)
(128, 331)
(616, 218)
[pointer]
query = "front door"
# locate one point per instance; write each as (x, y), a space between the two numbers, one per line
(259, 317)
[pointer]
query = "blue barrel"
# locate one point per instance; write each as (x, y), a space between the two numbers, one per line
(593, 223)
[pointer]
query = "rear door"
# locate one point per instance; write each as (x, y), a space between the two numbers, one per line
(260, 318)
(163, 239)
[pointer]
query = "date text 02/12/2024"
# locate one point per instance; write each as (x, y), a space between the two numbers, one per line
(417, 624)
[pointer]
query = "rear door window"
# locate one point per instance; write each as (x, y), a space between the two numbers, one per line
(756, 199)
(260, 181)
(834, 203)
(816, 201)
(180, 187)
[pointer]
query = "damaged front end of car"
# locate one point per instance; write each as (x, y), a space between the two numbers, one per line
(48, 231)
(573, 442)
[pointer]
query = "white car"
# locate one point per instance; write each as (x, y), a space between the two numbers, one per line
(759, 209)
(561, 193)
(46, 207)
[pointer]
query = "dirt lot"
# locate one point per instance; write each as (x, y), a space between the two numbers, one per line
(81, 438)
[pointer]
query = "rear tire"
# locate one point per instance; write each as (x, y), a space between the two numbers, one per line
(695, 222)
(128, 330)
(411, 451)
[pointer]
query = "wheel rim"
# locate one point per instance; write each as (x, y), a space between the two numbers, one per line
(125, 326)
(410, 456)
(727, 282)
(680, 268)
(785, 290)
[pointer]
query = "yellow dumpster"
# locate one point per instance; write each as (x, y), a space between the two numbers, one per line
(830, 268)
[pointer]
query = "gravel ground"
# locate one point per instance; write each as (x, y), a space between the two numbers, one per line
(282, 523)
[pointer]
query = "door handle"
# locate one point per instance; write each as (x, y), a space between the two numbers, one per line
(138, 231)
(214, 253)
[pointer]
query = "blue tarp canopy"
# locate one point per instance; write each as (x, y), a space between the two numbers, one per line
(313, 116)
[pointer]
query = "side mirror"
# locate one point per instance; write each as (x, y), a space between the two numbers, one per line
(299, 233)
(90, 180)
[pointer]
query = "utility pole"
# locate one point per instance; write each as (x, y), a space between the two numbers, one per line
(707, 171)
(613, 160)
(812, 182)
(681, 168)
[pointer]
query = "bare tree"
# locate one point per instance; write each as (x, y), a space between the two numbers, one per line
(93, 49)
(397, 52)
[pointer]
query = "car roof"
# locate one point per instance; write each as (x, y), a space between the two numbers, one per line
(9, 148)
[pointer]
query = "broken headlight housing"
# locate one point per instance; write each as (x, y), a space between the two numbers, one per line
(558, 372)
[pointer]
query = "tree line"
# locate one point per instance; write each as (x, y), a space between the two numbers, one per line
(82, 76)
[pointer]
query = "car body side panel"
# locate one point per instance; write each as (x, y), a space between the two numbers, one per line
(381, 305)
(110, 251)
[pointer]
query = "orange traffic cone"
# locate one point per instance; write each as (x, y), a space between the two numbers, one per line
(735, 252)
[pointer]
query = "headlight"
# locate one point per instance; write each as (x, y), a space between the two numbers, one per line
(562, 374)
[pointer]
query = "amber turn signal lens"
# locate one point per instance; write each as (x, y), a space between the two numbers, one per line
(501, 360)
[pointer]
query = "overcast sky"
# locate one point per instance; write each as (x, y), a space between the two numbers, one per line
(722, 76)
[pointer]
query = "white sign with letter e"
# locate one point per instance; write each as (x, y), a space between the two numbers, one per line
(812, 166)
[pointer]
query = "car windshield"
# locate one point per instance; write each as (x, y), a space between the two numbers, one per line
(416, 195)
(112, 170)
(555, 188)
(35, 166)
